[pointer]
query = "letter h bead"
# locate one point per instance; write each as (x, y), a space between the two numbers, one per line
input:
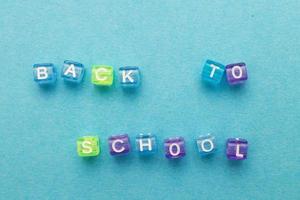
(213, 72)
(174, 147)
(119, 144)
(44, 73)
(146, 144)
(236, 149)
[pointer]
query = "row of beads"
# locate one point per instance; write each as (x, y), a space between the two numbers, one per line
(102, 75)
(146, 144)
(129, 76)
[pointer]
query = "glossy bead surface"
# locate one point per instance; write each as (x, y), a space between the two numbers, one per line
(146, 144)
(119, 144)
(88, 146)
(129, 76)
(236, 73)
(174, 147)
(236, 149)
(72, 71)
(206, 144)
(102, 75)
(213, 72)
(44, 73)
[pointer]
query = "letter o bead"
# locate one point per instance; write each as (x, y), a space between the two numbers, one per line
(236, 73)
(119, 144)
(88, 146)
(236, 149)
(206, 145)
(44, 74)
(174, 147)
(146, 144)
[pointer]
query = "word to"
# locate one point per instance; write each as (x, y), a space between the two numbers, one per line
(102, 75)
(213, 72)
(146, 144)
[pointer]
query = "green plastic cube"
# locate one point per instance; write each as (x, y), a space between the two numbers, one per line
(102, 75)
(88, 146)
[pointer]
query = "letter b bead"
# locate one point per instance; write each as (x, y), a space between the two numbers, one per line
(119, 144)
(44, 73)
(146, 144)
(174, 147)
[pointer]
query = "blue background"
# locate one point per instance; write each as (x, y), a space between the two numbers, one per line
(170, 40)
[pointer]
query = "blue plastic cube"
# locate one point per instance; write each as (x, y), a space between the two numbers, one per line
(44, 73)
(72, 71)
(129, 76)
(213, 72)
(206, 144)
(146, 144)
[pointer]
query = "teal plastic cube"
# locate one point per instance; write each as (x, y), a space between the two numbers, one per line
(213, 72)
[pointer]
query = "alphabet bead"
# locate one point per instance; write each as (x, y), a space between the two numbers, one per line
(213, 72)
(72, 71)
(44, 73)
(129, 76)
(174, 147)
(119, 144)
(146, 144)
(102, 75)
(236, 73)
(88, 146)
(206, 144)
(236, 149)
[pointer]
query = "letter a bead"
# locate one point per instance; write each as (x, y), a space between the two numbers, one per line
(174, 147)
(236, 73)
(146, 144)
(206, 144)
(236, 149)
(88, 146)
(72, 71)
(213, 72)
(119, 144)
(129, 76)
(44, 73)
(102, 75)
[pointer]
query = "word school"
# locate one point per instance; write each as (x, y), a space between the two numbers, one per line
(146, 144)
(129, 76)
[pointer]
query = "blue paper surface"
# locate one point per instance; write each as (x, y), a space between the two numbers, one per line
(170, 41)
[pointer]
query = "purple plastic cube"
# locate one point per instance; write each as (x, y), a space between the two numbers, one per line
(236, 149)
(119, 144)
(174, 147)
(236, 73)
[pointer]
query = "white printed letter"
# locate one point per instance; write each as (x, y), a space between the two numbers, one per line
(203, 147)
(71, 70)
(177, 151)
(101, 77)
(214, 67)
(126, 75)
(145, 144)
(41, 73)
(86, 145)
(115, 149)
(237, 153)
(240, 72)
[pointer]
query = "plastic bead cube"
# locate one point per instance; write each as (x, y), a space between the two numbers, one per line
(88, 146)
(102, 75)
(146, 144)
(206, 144)
(119, 144)
(213, 72)
(129, 76)
(72, 71)
(44, 73)
(236, 73)
(174, 147)
(236, 149)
